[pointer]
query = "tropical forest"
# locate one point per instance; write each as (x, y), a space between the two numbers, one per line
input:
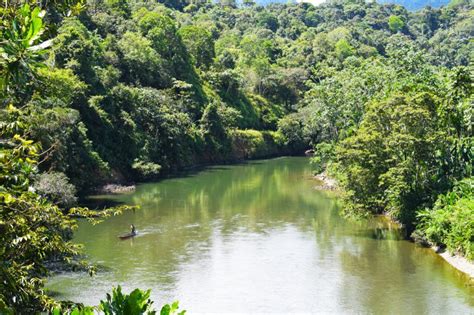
(237, 157)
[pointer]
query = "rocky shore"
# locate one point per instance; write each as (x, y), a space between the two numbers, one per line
(116, 189)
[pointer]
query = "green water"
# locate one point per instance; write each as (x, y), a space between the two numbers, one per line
(258, 238)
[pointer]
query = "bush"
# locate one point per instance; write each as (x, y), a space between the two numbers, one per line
(136, 303)
(324, 153)
(56, 187)
(146, 170)
(252, 144)
(292, 130)
(450, 223)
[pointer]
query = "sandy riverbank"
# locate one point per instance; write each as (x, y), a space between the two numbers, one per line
(458, 262)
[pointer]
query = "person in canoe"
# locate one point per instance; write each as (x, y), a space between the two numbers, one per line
(133, 232)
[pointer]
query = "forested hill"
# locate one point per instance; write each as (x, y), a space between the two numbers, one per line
(130, 90)
(140, 89)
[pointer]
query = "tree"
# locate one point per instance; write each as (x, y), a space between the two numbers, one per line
(267, 20)
(292, 131)
(22, 50)
(142, 64)
(120, 7)
(389, 161)
(199, 43)
(343, 49)
(395, 23)
(55, 186)
(34, 231)
(214, 132)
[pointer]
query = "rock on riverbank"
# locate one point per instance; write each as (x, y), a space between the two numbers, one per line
(116, 189)
(328, 183)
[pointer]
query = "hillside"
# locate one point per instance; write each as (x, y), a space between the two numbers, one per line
(128, 91)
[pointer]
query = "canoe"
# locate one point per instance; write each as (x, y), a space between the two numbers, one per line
(127, 236)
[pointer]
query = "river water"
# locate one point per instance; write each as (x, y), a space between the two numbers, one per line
(256, 238)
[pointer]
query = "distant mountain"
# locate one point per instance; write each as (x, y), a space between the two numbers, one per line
(412, 5)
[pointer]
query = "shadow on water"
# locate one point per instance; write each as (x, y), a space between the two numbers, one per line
(196, 170)
(382, 228)
(100, 202)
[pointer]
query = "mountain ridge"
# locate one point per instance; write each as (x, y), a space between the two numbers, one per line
(411, 5)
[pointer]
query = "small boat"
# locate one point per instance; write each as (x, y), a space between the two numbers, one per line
(132, 233)
(128, 235)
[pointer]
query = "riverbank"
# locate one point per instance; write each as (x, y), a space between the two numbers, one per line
(459, 262)
(116, 189)
(122, 186)
(243, 145)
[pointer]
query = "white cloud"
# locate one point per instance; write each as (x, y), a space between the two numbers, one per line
(314, 2)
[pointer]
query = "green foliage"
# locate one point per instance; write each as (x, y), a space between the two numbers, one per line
(324, 153)
(213, 130)
(407, 150)
(55, 186)
(267, 20)
(146, 170)
(343, 49)
(199, 43)
(389, 161)
(22, 50)
(172, 309)
(138, 90)
(292, 131)
(129, 82)
(450, 221)
(254, 144)
(395, 23)
(120, 7)
(141, 62)
(135, 303)
(34, 231)
(78, 49)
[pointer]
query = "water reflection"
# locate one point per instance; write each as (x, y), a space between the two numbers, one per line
(259, 236)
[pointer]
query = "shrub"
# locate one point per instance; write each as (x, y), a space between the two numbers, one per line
(56, 187)
(146, 170)
(292, 130)
(324, 153)
(251, 144)
(136, 303)
(450, 222)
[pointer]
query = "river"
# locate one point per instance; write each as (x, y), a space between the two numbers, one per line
(257, 237)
